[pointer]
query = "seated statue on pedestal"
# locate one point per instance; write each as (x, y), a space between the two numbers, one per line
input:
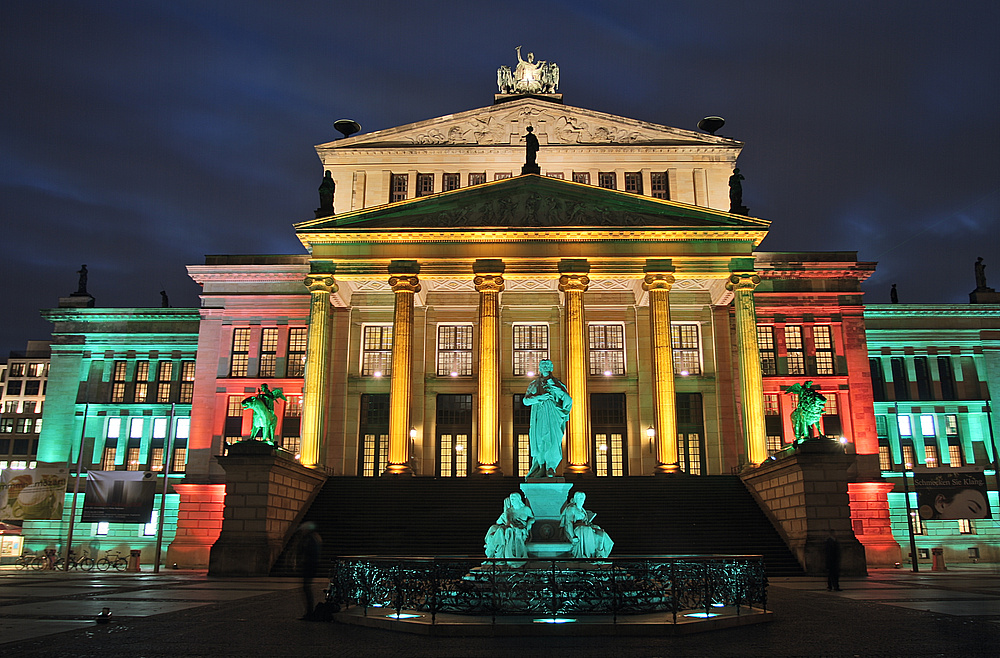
(589, 540)
(506, 538)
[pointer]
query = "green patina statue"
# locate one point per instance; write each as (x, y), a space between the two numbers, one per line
(550, 404)
(808, 412)
(264, 418)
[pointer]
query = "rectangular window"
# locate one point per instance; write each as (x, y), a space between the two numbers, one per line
(947, 375)
(108, 458)
(765, 346)
(7, 425)
(165, 372)
(16, 370)
(397, 187)
(607, 349)
(823, 343)
(501, 175)
(795, 351)
(633, 182)
(881, 427)
(909, 458)
(101, 528)
(23, 426)
(919, 529)
(182, 428)
(234, 406)
(132, 459)
(900, 384)
(159, 428)
(374, 434)
(454, 350)
(268, 352)
(297, 351)
(149, 529)
(114, 428)
(291, 443)
(187, 382)
(931, 456)
(531, 345)
(156, 459)
(38, 426)
(660, 187)
(10, 407)
(965, 527)
(927, 425)
(141, 381)
(119, 378)
(425, 184)
(955, 456)
(37, 369)
(450, 182)
(771, 403)
(878, 380)
(904, 425)
(773, 443)
(32, 387)
(179, 462)
(687, 349)
(607, 180)
(581, 177)
(556, 174)
(922, 371)
(135, 428)
(884, 458)
(454, 427)
(477, 179)
(29, 407)
(293, 406)
(240, 358)
(376, 350)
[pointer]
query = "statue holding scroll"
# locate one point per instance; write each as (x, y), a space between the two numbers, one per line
(550, 404)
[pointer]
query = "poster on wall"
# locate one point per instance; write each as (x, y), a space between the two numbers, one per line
(119, 497)
(952, 495)
(35, 494)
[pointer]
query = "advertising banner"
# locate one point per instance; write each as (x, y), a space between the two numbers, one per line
(951, 495)
(35, 494)
(119, 497)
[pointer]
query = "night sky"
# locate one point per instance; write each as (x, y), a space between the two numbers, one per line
(136, 137)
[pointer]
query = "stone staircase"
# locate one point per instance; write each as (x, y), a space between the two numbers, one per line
(450, 516)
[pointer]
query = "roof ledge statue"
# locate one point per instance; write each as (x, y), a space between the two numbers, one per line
(528, 77)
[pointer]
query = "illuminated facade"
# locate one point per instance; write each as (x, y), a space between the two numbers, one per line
(23, 381)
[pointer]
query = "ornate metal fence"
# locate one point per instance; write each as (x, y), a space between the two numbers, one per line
(688, 584)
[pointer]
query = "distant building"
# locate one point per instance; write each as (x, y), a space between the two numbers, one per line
(23, 383)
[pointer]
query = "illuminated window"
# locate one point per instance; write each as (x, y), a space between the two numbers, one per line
(156, 459)
(608, 421)
(114, 428)
(293, 406)
(830, 408)
(179, 462)
(108, 458)
(23, 426)
(376, 350)
(454, 426)
(187, 382)
(119, 377)
(884, 458)
(947, 376)
(531, 345)
(501, 175)
(955, 456)
(397, 187)
(374, 433)
(795, 351)
(927, 425)
(234, 406)
(556, 174)
(132, 459)
(450, 182)
(297, 351)
(101, 528)
(159, 428)
(909, 459)
(16, 370)
(182, 428)
(7, 425)
(918, 529)
(951, 425)
(660, 188)
(773, 444)
(38, 369)
(771, 407)
(268, 352)
(477, 179)
(10, 407)
(291, 443)
(241, 352)
(454, 350)
(141, 381)
(149, 529)
(38, 426)
(823, 342)
(931, 456)
(581, 177)
(607, 349)
(633, 182)
(164, 373)
(765, 345)
(135, 428)
(905, 426)
(965, 527)
(687, 349)
(425, 184)
(607, 180)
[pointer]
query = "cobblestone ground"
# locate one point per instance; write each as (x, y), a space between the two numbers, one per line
(891, 613)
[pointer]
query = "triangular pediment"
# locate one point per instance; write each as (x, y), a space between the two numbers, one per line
(533, 201)
(553, 123)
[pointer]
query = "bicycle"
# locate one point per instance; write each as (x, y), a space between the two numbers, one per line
(118, 561)
(85, 563)
(29, 560)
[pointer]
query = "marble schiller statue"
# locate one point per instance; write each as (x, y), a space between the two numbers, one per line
(550, 404)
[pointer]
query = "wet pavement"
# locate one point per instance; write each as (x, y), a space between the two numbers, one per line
(180, 613)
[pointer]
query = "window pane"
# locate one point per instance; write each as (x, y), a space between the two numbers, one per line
(905, 429)
(376, 351)
(686, 349)
(607, 349)
(454, 350)
(927, 425)
(531, 345)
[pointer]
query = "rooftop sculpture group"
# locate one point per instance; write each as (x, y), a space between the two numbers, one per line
(528, 77)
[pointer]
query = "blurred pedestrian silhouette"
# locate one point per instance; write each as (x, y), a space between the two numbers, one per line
(831, 548)
(309, 546)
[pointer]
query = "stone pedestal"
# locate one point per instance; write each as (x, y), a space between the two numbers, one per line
(805, 493)
(266, 494)
(546, 497)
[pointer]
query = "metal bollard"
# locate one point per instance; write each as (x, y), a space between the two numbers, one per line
(133, 561)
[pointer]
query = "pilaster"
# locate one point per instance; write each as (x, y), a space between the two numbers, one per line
(405, 285)
(573, 284)
(489, 283)
(658, 282)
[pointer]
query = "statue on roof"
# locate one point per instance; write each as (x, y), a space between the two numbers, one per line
(327, 189)
(81, 287)
(528, 77)
(980, 274)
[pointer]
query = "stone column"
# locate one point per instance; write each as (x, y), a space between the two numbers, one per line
(404, 286)
(664, 394)
(317, 365)
(751, 384)
(573, 286)
(489, 284)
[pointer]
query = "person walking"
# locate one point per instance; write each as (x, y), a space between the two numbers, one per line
(831, 548)
(309, 548)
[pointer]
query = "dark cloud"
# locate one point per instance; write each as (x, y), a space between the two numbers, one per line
(137, 137)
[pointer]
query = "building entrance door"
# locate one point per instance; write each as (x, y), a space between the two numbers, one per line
(454, 427)
(374, 434)
(608, 431)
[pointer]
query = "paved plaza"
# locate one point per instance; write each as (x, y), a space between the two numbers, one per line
(177, 613)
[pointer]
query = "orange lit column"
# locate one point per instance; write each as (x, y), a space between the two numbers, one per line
(317, 365)
(489, 284)
(664, 396)
(573, 286)
(404, 287)
(751, 383)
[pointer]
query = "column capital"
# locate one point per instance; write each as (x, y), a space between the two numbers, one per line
(489, 283)
(574, 283)
(320, 283)
(655, 281)
(742, 281)
(404, 283)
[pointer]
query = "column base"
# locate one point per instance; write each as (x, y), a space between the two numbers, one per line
(489, 470)
(398, 469)
(577, 470)
(666, 469)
